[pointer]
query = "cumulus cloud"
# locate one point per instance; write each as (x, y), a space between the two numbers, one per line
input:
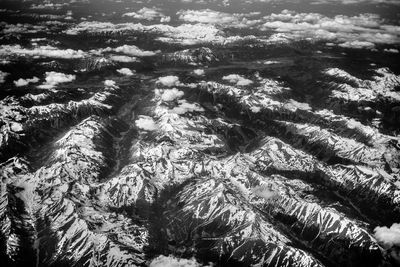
(356, 2)
(53, 6)
(124, 59)
(21, 28)
(3, 76)
(146, 123)
(209, 16)
(199, 72)
(23, 82)
(171, 261)
(133, 50)
(362, 31)
(148, 14)
(110, 83)
(41, 51)
(55, 78)
(125, 71)
(358, 44)
(391, 50)
(388, 237)
(185, 34)
(171, 94)
(169, 81)
(237, 79)
(184, 107)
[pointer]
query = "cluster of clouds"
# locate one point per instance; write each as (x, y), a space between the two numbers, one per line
(388, 237)
(21, 28)
(184, 107)
(206, 25)
(356, 2)
(40, 51)
(146, 123)
(237, 79)
(199, 72)
(124, 59)
(184, 34)
(110, 84)
(362, 31)
(169, 81)
(133, 50)
(24, 82)
(3, 76)
(169, 95)
(126, 53)
(150, 14)
(209, 16)
(171, 261)
(125, 71)
(49, 5)
(54, 78)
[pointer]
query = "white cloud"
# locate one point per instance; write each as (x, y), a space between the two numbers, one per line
(237, 79)
(358, 44)
(146, 123)
(185, 34)
(265, 192)
(356, 2)
(148, 14)
(124, 59)
(362, 31)
(388, 237)
(23, 82)
(21, 28)
(3, 76)
(171, 94)
(169, 81)
(55, 78)
(48, 6)
(184, 107)
(125, 71)
(133, 50)
(391, 50)
(209, 16)
(171, 261)
(199, 72)
(110, 83)
(165, 19)
(41, 51)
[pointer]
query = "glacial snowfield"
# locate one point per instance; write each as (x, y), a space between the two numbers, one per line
(200, 133)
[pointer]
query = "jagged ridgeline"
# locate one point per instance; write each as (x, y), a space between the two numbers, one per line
(154, 135)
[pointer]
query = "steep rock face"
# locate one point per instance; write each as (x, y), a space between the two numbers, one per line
(217, 221)
(36, 120)
(91, 234)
